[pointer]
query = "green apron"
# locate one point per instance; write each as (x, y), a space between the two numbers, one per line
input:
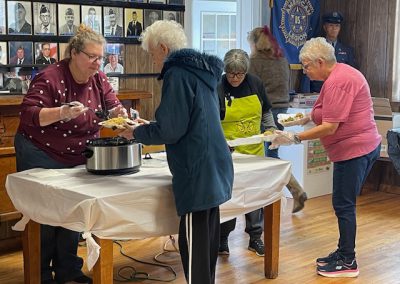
(243, 119)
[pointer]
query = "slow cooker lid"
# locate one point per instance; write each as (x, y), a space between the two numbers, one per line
(110, 141)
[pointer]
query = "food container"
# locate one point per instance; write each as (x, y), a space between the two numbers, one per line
(113, 155)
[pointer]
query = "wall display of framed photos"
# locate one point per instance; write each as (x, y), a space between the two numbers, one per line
(35, 33)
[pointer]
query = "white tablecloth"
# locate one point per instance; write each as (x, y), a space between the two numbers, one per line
(132, 206)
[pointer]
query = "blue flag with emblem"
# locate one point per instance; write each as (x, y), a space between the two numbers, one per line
(294, 22)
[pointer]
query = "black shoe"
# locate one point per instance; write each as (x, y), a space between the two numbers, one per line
(223, 247)
(339, 268)
(333, 256)
(298, 204)
(257, 246)
(48, 281)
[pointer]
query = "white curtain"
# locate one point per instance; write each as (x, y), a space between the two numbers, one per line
(396, 61)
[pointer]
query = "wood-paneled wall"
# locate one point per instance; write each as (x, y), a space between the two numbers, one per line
(369, 28)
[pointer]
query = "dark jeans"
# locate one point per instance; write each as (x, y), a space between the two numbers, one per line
(274, 153)
(58, 245)
(348, 178)
(198, 245)
(254, 225)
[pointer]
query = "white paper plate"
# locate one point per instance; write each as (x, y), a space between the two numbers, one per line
(256, 139)
(116, 126)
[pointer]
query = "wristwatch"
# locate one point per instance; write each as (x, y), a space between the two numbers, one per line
(297, 139)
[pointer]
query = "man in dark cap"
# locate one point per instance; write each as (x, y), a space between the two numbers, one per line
(20, 26)
(331, 24)
(113, 29)
(69, 28)
(45, 27)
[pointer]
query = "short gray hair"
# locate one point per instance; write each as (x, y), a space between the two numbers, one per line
(236, 60)
(166, 32)
(316, 48)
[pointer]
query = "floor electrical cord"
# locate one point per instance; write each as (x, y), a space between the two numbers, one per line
(134, 275)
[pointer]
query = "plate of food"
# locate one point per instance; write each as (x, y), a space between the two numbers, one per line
(116, 122)
(291, 119)
(268, 135)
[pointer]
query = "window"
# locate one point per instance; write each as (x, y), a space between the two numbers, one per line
(218, 32)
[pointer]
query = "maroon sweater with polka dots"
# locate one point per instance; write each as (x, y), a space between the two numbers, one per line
(64, 141)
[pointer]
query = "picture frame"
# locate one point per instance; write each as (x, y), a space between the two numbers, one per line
(150, 16)
(62, 47)
(45, 20)
(92, 17)
(2, 17)
(3, 53)
(68, 19)
(113, 21)
(46, 52)
(19, 17)
(114, 58)
(20, 52)
(133, 22)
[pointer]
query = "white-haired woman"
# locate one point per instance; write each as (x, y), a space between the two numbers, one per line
(188, 123)
(344, 120)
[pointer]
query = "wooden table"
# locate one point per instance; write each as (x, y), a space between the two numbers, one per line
(258, 182)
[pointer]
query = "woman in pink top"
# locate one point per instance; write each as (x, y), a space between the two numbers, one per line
(345, 124)
(55, 125)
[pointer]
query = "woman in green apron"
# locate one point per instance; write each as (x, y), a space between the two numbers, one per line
(245, 111)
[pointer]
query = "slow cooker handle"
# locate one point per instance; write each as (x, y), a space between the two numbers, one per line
(87, 153)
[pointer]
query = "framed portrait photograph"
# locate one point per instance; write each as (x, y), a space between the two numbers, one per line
(171, 16)
(62, 47)
(150, 16)
(3, 53)
(45, 18)
(113, 21)
(176, 2)
(46, 53)
(19, 17)
(92, 17)
(114, 58)
(2, 17)
(68, 19)
(133, 22)
(20, 52)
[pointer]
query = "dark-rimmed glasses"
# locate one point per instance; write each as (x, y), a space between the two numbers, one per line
(93, 58)
(237, 75)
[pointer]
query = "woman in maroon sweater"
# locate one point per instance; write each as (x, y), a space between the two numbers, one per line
(53, 134)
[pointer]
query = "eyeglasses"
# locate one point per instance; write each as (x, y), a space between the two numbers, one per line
(306, 66)
(93, 58)
(237, 75)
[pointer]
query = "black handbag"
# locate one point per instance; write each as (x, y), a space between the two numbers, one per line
(393, 138)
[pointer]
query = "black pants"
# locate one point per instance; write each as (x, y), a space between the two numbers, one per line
(58, 245)
(198, 245)
(254, 225)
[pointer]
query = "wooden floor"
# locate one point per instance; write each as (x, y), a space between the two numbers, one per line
(305, 236)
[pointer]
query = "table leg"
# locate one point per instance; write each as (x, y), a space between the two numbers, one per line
(103, 269)
(272, 214)
(31, 252)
